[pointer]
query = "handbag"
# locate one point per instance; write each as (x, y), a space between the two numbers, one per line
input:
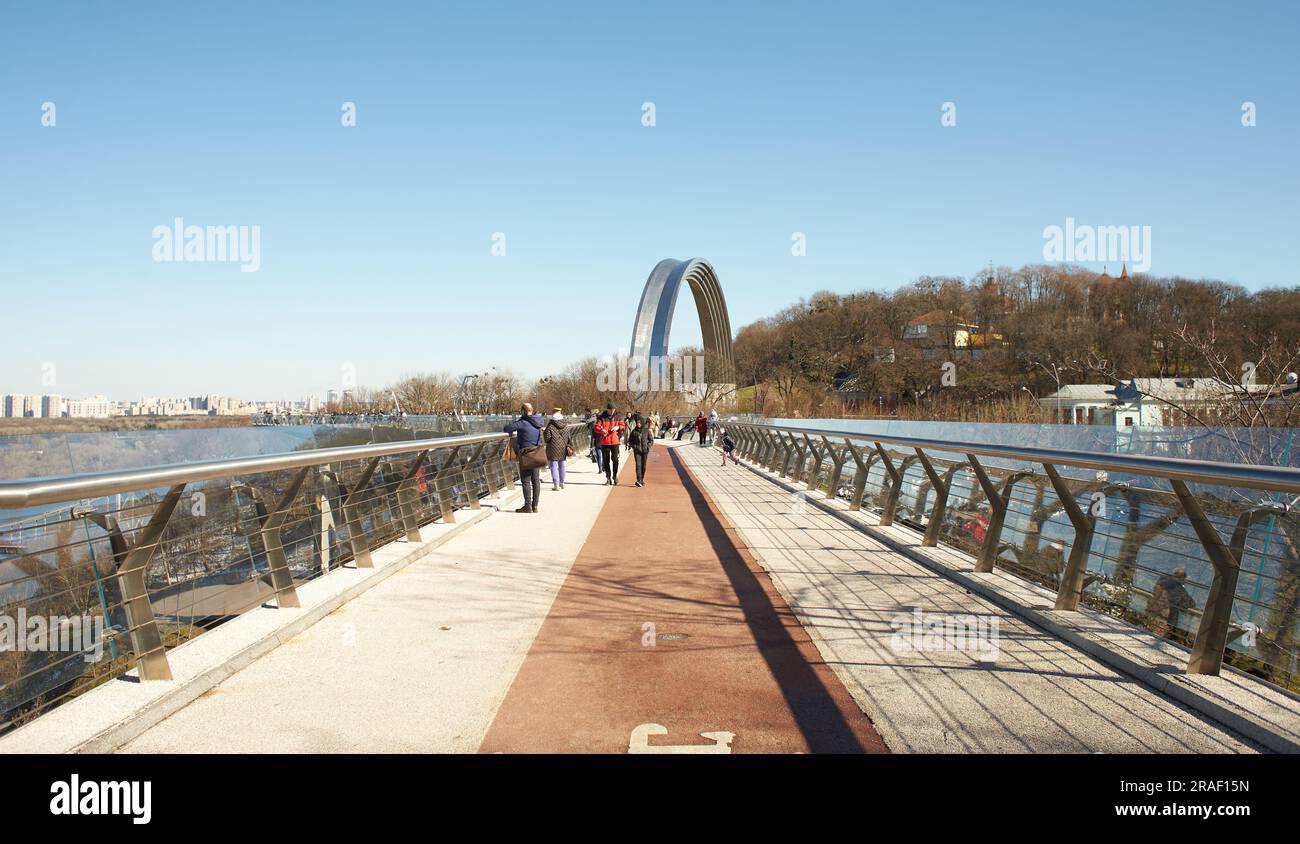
(533, 458)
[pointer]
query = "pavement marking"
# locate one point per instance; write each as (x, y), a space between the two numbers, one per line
(640, 742)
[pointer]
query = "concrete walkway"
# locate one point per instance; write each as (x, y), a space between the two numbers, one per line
(666, 628)
(1034, 693)
(419, 663)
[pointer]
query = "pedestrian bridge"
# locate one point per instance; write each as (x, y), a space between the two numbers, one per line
(830, 592)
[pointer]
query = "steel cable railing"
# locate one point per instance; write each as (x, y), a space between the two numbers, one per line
(151, 557)
(1103, 529)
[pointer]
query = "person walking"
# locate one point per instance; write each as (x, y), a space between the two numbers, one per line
(701, 426)
(642, 440)
(629, 423)
(609, 429)
(556, 437)
(590, 418)
(728, 448)
(527, 431)
(712, 426)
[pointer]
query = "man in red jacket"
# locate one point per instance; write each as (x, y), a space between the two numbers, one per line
(608, 428)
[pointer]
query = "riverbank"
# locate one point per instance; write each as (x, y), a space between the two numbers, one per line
(10, 426)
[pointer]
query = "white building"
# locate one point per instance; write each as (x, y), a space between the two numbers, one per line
(1140, 402)
(95, 407)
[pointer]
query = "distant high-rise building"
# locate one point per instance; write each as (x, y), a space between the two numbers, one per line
(95, 407)
(51, 406)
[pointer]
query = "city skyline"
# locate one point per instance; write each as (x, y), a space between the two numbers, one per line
(484, 171)
(51, 405)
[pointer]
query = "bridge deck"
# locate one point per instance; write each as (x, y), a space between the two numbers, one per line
(1039, 694)
(524, 633)
(665, 620)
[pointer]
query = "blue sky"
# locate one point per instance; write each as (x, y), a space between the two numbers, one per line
(525, 119)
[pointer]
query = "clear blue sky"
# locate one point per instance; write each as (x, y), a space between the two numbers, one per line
(525, 118)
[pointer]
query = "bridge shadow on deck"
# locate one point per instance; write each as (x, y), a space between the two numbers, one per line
(817, 710)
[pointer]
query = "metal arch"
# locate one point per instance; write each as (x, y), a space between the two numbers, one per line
(654, 316)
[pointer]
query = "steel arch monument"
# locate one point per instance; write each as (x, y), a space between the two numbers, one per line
(654, 318)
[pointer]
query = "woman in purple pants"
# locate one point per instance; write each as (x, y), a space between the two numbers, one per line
(556, 438)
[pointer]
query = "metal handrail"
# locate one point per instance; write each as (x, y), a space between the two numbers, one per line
(131, 558)
(767, 446)
(1269, 478)
(52, 490)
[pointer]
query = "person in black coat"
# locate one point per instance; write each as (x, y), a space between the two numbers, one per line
(556, 437)
(641, 440)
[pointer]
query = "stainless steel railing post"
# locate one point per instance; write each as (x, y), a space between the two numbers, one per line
(800, 459)
(859, 475)
(1070, 590)
(471, 492)
(940, 485)
(1212, 634)
(894, 489)
(406, 498)
(786, 453)
(146, 638)
(774, 447)
(837, 471)
(815, 467)
(446, 505)
(352, 514)
(272, 523)
(998, 500)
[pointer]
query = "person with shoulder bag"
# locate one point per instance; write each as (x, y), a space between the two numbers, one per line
(527, 433)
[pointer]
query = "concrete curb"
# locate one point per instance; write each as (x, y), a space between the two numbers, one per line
(107, 734)
(1173, 686)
